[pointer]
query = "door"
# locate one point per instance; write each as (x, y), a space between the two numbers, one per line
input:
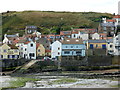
(91, 46)
(103, 46)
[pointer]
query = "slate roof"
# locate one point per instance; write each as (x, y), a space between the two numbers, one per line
(12, 36)
(97, 41)
(12, 46)
(44, 42)
(107, 24)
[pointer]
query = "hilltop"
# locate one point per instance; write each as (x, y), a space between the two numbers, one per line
(50, 21)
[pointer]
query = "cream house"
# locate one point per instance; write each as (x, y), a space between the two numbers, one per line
(40, 50)
(9, 52)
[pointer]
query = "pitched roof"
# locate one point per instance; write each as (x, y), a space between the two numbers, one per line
(22, 41)
(116, 16)
(75, 32)
(47, 50)
(72, 41)
(65, 32)
(107, 24)
(27, 42)
(111, 20)
(97, 41)
(12, 46)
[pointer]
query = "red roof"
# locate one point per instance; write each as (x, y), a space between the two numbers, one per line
(27, 42)
(65, 32)
(47, 50)
(15, 41)
(75, 32)
(116, 16)
(111, 20)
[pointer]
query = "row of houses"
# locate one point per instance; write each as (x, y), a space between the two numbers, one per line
(65, 47)
(75, 42)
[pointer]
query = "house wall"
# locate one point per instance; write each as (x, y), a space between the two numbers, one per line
(110, 48)
(56, 49)
(116, 41)
(95, 36)
(96, 45)
(7, 53)
(73, 49)
(31, 50)
(74, 35)
(40, 50)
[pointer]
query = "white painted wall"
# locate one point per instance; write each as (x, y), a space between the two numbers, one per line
(31, 49)
(55, 50)
(116, 41)
(95, 36)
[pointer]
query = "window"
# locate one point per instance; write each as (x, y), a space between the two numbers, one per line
(78, 52)
(1, 56)
(76, 46)
(96, 45)
(71, 46)
(38, 50)
(31, 54)
(66, 52)
(58, 48)
(4, 50)
(13, 56)
(103, 46)
(66, 46)
(91, 46)
(15, 51)
(21, 48)
(74, 35)
(8, 56)
(31, 45)
(25, 49)
(104, 28)
(58, 53)
(111, 46)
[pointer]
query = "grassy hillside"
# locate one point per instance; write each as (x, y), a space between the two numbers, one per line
(50, 22)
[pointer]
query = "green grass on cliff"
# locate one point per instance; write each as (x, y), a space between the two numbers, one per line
(50, 21)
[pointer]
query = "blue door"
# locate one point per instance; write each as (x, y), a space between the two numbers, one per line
(91, 46)
(103, 46)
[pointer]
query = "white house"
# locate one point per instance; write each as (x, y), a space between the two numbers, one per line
(73, 47)
(116, 41)
(110, 46)
(9, 38)
(56, 49)
(95, 36)
(5, 40)
(68, 47)
(28, 50)
(82, 35)
(38, 34)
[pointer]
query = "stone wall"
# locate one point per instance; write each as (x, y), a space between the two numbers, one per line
(10, 63)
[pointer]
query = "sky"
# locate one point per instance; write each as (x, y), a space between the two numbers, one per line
(109, 6)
